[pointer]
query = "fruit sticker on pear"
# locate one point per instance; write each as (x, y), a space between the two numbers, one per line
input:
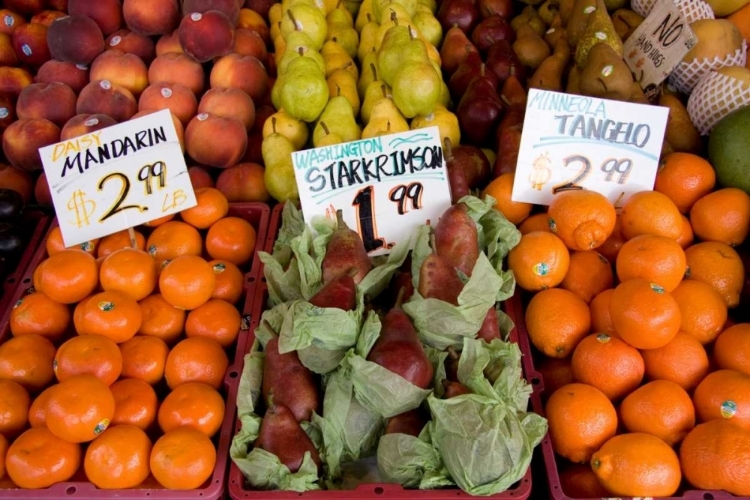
(386, 185)
(117, 177)
(572, 142)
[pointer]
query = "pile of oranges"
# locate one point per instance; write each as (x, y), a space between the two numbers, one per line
(119, 352)
(647, 378)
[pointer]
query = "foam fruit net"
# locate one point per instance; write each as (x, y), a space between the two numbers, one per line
(693, 9)
(714, 97)
(687, 75)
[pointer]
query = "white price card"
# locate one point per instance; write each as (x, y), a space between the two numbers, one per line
(117, 177)
(572, 142)
(657, 45)
(385, 186)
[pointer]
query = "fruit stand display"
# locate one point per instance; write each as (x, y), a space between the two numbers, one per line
(559, 259)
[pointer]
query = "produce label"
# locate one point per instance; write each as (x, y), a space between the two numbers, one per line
(657, 45)
(572, 142)
(117, 177)
(385, 186)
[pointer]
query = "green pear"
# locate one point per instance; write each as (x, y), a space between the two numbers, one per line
(335, 57)
(375, 92)
(308, 19)
(369, 73)
(599, 29)
(339, 17)
(279, 174)
(444, 120)
(430, 4)
(400, 48)
(348, 38)
(416, 89)
(285, 4)
(339, 116)
(430, 28)
(342, 82)
(445, 96)
(292, 53)
(304, 93)
(380, 7)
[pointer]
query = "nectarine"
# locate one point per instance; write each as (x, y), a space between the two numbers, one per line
(85, 123)
(26, 7)
(102, 96)
(46, 17)
(215, 141)
(229, 102)
(243, 182)
(42, 194)
(230, 8)
(179, 99)
(178, 127)
(174, 67)
(10, 20)
(7, 111)
(75, 76)
(106, 13)
(14, 80)
(125, 70)
(207, 35)
(77, 39)
(8, 55)
(249, 43)
(18, 180)
(23, 138)
(132, 43)
(30, 44)
(151, 17)
(199, 177)
(244, 72)
(54, 101)
(169, 43)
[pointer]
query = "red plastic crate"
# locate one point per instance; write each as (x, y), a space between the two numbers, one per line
(237, 485)
(514, 307)
(258, 215)
(38, 224)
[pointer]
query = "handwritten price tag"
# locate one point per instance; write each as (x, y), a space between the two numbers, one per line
(117, 177)
(572, 142)
(385, 186)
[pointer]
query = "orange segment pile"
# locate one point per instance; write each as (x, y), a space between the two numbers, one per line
(114, 371)
(635, 332)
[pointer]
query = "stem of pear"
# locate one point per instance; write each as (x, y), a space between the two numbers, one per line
(273, 124)
(452, 353)
(294, 21)
(432, 243)
(324, 127)
(374, 72)
(340, 219)
(447, 149)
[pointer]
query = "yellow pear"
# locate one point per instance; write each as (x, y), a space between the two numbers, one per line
(283, 123)
(335, 57)
(342, 82)
(444, 120)
(364, 15)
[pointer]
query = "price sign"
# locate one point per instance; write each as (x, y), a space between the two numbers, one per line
(385, 186)
(572, 142)
(117, 177)
(657, 45)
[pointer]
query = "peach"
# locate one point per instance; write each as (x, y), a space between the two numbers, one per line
(229, 102)
(85, 123)
(46, 17)
(215, 141)
(125, 70)
(169, 43)
(254, 152)
(174, 67)
(228, 7)
(42, 194)
(243, 182)
(25, 7)
(75, 76)
(30, 44)
(132, 43)
(179, 99)
(8, 55)
(244, 72)
(251, 19)
(75, 39)
(178, 127)
(151, 17)
(249, 43)
(207, 35)
(23, 138)
(54, 101)
(106, 13)
(7, 111)
(10, 20)
(199, 177)
(18, 180)
(14, 80)
(101, 96)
